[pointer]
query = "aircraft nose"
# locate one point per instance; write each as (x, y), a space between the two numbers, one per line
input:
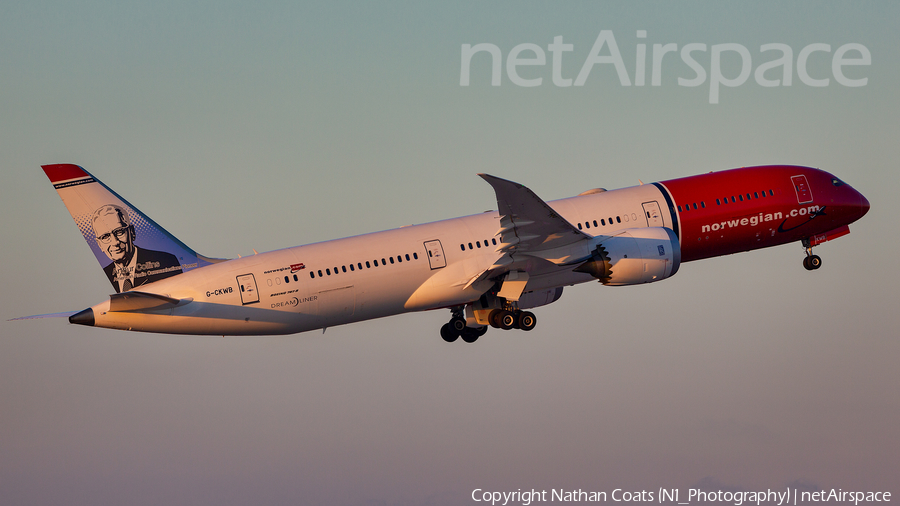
(863, 205)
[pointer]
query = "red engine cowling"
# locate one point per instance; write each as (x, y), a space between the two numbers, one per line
(634, 256)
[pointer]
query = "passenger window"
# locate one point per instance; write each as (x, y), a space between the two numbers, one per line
(494, 241)
(407, 257)
(470, 246)
(771, 194)
(344, 268)
(478, 243)
(399, 258)
(618, 219)
(328, 271)
(579, 225)
(295, 278)
(756, 194)
(718, 202)
(367, 265)
(351, 268)
(703, 204)
(603, 222)
(383, 262)
(287, 279)
(595, 223)
(312, 275)
(695, 206)
(461, 247)
(741, 198)
(391, 258)
(416, 256)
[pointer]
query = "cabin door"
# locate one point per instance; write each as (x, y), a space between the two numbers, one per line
(247, 284)
(435, 254)
(653, 214)
(801, 187)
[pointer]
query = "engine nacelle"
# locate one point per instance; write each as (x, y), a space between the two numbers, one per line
(539, 298)
(634, 256)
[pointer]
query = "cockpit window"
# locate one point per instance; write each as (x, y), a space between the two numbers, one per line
(837, 182)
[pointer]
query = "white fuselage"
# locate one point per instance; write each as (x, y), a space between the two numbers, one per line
(413, 268)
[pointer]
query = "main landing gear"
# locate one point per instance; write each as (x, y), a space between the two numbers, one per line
(505, 319)
(516, 319)
(457, 328)
(811, 262)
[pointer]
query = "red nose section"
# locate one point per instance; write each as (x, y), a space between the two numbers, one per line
(863, 205)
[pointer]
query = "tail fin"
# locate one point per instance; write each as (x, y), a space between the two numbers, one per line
(131, 247)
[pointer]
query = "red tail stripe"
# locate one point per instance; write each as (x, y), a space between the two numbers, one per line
(63, 172)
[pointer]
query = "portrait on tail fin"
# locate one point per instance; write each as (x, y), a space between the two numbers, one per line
(131, 266)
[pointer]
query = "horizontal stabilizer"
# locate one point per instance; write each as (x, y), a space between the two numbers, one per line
(49, 315)
(140, 301)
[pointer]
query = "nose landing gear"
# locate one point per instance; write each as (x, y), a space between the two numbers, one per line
(811, 262)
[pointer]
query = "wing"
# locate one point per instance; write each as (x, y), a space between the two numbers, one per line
(527, 223)
(530, 229)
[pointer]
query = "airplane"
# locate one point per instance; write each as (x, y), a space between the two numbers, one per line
(488, 269)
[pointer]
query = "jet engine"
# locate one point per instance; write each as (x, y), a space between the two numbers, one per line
(634, 256)
(539, 298)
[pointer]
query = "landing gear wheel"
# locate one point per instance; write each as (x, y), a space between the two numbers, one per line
(471, 335)
(526, 320)
(494, 318)
(812, 262)
(506, 319)
(448, 333)
(458, 324)
(815, 262)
